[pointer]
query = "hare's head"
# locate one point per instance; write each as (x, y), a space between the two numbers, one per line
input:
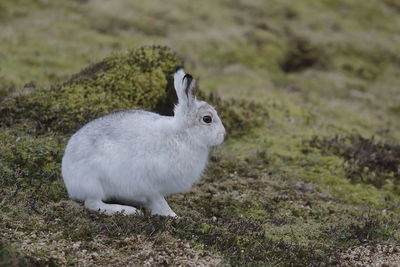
(198, 116)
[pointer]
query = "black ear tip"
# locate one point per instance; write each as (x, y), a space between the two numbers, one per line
(188, 77)
(178, 68)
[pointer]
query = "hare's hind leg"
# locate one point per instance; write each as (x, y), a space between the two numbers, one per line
(109, 209)
(159, 206)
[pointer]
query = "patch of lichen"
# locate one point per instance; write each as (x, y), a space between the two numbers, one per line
(128, 80)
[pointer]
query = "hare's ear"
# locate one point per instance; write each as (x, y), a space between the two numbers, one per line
(185, 87)
(178, 84)
(190, 89)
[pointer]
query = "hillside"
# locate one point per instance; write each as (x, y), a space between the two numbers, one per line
(309, 93)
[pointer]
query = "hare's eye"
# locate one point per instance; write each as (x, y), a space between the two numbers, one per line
(207, 119)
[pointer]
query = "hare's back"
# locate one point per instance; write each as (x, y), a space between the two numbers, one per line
(121, 123)
(117, 130)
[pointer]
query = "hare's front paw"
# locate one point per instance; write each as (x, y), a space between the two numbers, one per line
(173, 215)
(159, 206)
(169, 214)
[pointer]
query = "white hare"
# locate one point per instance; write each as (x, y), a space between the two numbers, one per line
(137, 157)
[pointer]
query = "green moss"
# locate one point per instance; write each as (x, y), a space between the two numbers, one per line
(138, 78)
(367, 160)
(238, 116)
(134, 79)
(32, 164)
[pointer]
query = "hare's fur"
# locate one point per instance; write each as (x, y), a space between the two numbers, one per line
(137, 157)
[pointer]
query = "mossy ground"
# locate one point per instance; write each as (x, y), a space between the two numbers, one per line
(270, 195)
